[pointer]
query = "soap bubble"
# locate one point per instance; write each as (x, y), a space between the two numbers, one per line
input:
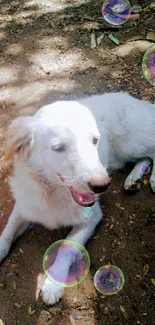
(145, 169)
(116, 12)
(109, 280)
(148, 65)
(79, 268)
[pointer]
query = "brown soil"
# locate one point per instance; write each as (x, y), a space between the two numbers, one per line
(46, 55)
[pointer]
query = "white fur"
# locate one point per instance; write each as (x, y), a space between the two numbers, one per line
(126, 127)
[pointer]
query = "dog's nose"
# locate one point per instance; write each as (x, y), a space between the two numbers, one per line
(99, 188)
(99, 184)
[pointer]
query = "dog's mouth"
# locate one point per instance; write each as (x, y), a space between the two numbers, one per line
(83, 199)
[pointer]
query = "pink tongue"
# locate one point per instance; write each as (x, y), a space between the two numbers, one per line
(84, 199)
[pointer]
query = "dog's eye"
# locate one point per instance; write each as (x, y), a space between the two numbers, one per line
(59, 148)
(95, 140)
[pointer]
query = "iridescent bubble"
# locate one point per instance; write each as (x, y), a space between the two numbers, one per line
(148, 65)
(75, 315)
(145, 169)
(109, 280)
(79, 268)
(1, 214)
(116, 12)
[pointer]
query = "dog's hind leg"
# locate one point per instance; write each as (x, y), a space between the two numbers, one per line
(134, 178)
(52, 292)
(15, 227)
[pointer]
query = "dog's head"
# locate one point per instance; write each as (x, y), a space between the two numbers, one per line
(60, 142)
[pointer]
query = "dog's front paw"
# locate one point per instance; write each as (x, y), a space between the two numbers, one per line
(51, 292)
(152, 182)
(4, 248)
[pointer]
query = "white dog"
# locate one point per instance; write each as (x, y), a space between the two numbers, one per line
(58, 171)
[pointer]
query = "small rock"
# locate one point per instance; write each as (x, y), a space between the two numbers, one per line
(106, 311)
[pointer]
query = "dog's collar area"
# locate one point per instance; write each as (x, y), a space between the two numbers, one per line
(87, 211)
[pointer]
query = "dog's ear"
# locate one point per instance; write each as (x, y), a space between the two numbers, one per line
(20, 137)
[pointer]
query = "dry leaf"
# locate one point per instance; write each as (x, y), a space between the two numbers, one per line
(93, 41)
(1, 322)
(102, 258)
(32, 312)
(99, 39)
(153, 281)
(146, 269)
(72, 320)
(13, 266)
(151, 36)
(113, 39)
(29, 310)
(145, 182)
(117, 204)
(17, 305)
(14, 285)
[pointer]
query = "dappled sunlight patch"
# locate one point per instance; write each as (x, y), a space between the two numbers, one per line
(53, 63)
(7, 74)
(57, 5)
(14, 49)
(138, 46)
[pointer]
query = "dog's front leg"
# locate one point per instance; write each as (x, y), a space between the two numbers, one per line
(14, 228)
(51, 292)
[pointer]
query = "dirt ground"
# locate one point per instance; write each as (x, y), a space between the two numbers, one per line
(45, 55)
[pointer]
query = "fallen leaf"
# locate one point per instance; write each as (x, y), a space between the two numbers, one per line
(146, 269)
(17, 305)
(14, 285)
(122, 309)
(102, 258)
(125, 314)
(116, 191)
(13, 266)
(113, 39)
(32, 312)
(29, 310)
(72, 320)
(93, 41)
(150, 36)
(153, 281)
(117, 204)
(145, 182)
(1, 322)
(99, 39)
(123, 243)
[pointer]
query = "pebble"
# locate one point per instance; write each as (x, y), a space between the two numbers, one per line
(106, 310)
